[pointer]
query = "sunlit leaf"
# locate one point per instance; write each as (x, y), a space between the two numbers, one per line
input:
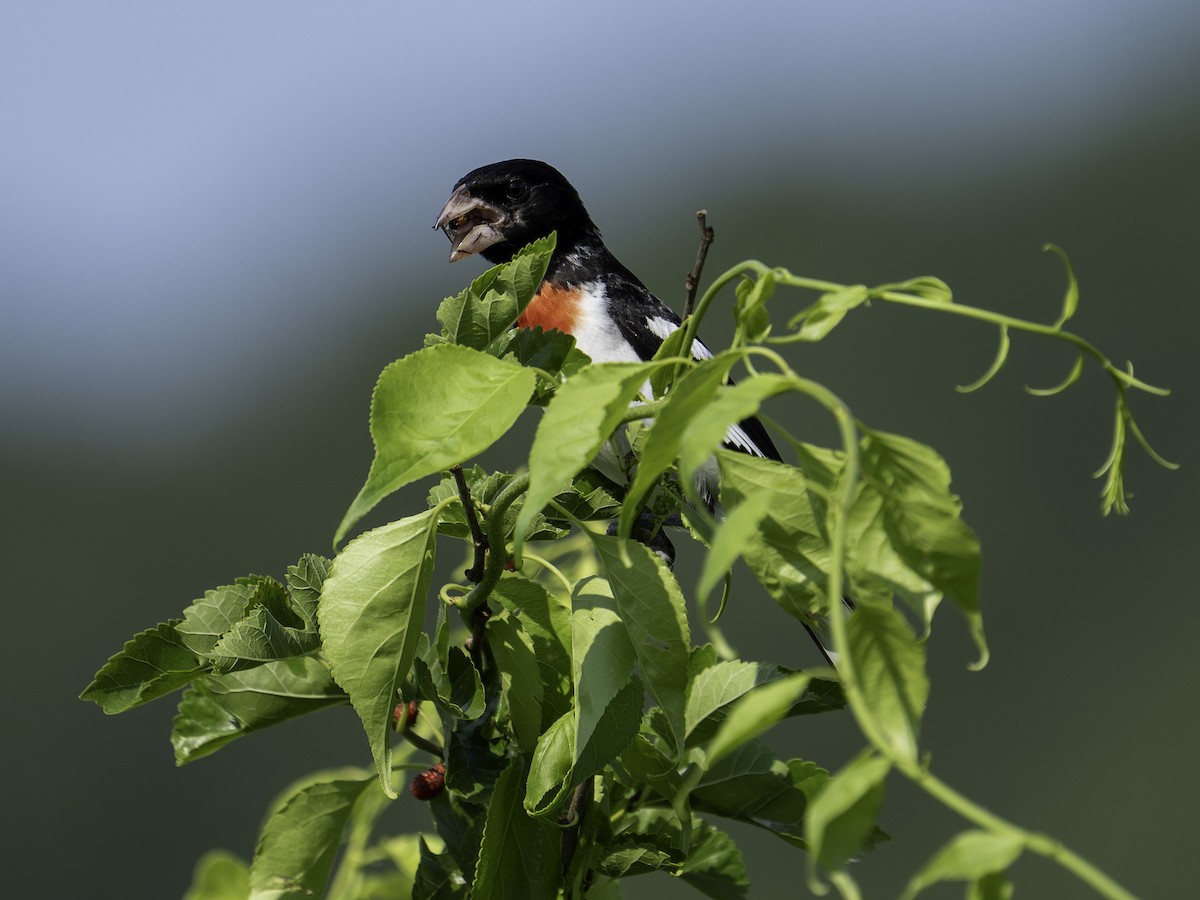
(889, 664)
(433, 409)
(219, 875)
(584, 412)
(1001, 356)
(754, 713)
(372, 609)
(842, 815)
(968, 856)
(1071, 297)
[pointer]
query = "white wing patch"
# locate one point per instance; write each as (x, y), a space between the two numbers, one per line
(593, 331)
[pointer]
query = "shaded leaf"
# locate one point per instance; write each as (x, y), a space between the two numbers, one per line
(150, 665)
(754, 713)
(220, 708)
(584, 412)
(519, 857)
(207, 619)
(304, 582)
(842, 815)
(889, 665)
(652, 607)
(521, 678)
(300, 839)
(260, 638)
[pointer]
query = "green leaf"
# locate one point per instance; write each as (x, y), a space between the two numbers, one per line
(714, 864)
(922, 520)
(752, 786)
(300, 839)
(927, 287)
(493, 301)
(438, 876)
(889, 664)
(652, 607)
(650, 840)
(474, 760)
(559, 764)
(552, 352)
(150, 665)
(788, 554)
(433, 409)
(969, 856)
(750, 309)
(823, 316)
(706, 433)
(1071, 297)
(260, 638)
(601, 652)
(584, 412)
(371, 613)
(520, 677)
(207, 619)
(219, 875)
(1001, 356)
(520, 855)
(546, 619)
(221, 708)
(304, 582)
(733, 535)
(842, 815)
(754, 713)
(995, 886)
(688, 400)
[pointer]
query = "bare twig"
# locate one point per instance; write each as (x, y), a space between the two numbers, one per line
(475, 573)
(692, 281)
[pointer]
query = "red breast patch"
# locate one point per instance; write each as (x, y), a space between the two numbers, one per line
(553, 307)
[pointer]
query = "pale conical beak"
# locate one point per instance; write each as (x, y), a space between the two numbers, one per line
(470, 223)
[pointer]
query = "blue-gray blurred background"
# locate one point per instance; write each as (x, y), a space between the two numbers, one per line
(215, 231)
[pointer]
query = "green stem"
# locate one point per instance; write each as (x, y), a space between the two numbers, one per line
(497, 554)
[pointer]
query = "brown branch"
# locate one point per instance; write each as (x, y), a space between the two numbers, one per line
(692, 281)
(478, 538)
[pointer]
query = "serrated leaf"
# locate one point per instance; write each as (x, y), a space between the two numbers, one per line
(889, 665)
(438, 876)
(299, 841)
(687, 400)
(520, 677)
(218, 709)
(652, 607)
(258, 638)
(546, 619)
(584, 412)
(474, 760)
(788, 554)
(433, 409)
(755, 712)
(491, 304)
(371, 613)
(714, 683)
(922, 520)
(304, 582)
(842, 815)
(207, 619)
(601, 653)
(650, 840)
(219, 875)
(969, 856)
(150, 665)
(558, 764)
(519, 858)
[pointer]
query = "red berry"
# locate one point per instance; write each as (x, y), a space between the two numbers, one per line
(429, 783)
(404, 715)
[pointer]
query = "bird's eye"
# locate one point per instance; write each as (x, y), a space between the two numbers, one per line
(517, 190)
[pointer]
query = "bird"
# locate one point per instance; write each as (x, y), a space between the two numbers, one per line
(497, 209)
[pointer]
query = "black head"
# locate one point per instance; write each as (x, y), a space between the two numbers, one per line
(497, 209)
